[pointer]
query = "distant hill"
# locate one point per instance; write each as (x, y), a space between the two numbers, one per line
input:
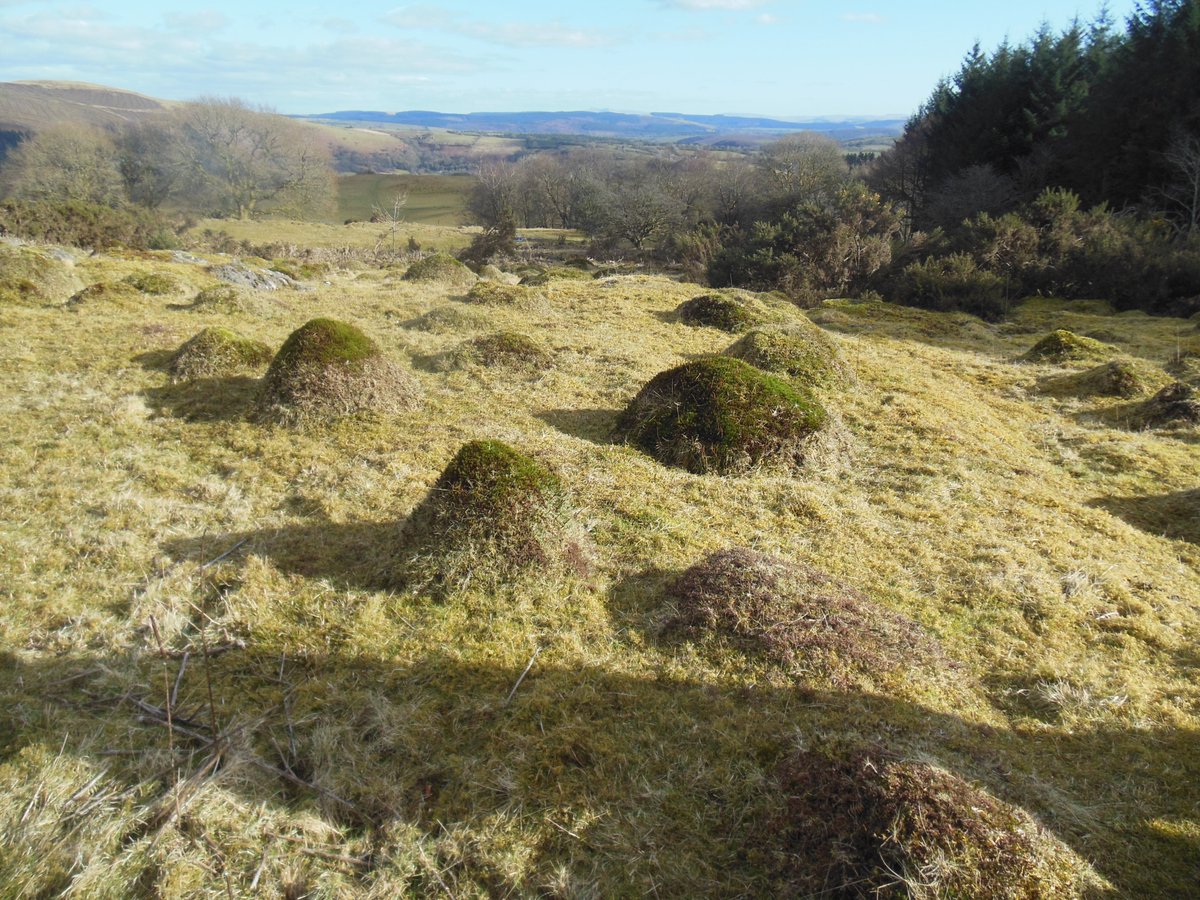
(650, 126)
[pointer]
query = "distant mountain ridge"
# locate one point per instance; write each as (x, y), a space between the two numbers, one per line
(657, 125)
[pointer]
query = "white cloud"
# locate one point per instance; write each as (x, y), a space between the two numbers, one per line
(203, 20)
(864, 18)
(505, 34)
(767, 19)
(715, 4)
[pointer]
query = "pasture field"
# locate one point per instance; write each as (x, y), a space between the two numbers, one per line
(432, 199)
(210, 685)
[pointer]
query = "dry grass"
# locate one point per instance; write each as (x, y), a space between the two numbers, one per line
(366, 742)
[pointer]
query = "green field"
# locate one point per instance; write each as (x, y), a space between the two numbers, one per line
(432, 199)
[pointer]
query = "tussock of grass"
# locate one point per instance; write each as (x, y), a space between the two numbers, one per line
(1117, 378)
(215, 352)
(816, 627)
(156, 283)
(1062, 346)
(1175, 406)
(540, 277)
(871, 824)
(509, 349)
(440, 268)
(492, 293)
(327, 369)
(29, 277)
(721, 311)
(719, 415)
(493, 515)
(228, 299)
(800, 350)
(448, 319)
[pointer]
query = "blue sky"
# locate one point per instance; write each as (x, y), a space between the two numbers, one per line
(791, 58)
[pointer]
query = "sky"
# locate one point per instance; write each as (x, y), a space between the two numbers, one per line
(786, 58)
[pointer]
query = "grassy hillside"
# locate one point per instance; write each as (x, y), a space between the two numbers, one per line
(432, 199)
(337, 730)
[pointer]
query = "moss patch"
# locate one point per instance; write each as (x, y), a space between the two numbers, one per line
(441, 268)
(494, 514)
(800, 351)
(327, 368)
(215, 352)
(1064, 346)
(799, 617)
(719, 415)
(888, 827)
(718, 311)
(30, 278)
(1116, 378)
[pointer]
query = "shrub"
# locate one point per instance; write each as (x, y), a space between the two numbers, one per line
(717, 311)
(328, 368)
(719, 414)
(891, 827)
(440, 267)
(952, 283)
(801, 351)
(1064, 346)
(493, 514)
(87, 224)
(217, 352)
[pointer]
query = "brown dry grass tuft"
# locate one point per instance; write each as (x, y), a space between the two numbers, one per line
(1117, 378)
(870, 824)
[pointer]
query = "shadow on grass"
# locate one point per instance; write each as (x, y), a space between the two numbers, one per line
(228, 399)
(155, 360)
(594, 425)
(690, 763)
(1175, 516)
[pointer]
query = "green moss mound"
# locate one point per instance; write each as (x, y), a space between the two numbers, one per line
(890, 827)
(327, 368)
(1117, 378)
(818, 628)
(504, 348)
(494, 514)
(493, 293)
(155, 283)
(30, 278)
(719, 414)
(543, 277)
(719, 311)
(441, 268)
(1064, 346)
(216, 352)
(799, 351)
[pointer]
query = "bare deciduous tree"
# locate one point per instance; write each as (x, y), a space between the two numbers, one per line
(65, 162)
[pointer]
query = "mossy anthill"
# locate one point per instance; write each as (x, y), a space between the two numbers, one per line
(882, 826)
(799, 350)
(441, 268)
(448, 319)
(1064, 346)
(720, 311)
(328, 368)
(718, 414)
(30, 278)
(216, 352)
(1117, 378)
(493, 515)
(494, 293)
(542, 277)
(155, 283)
(229, 299)
(1175, 406)
(818, 628)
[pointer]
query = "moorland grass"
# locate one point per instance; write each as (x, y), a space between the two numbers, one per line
(541, 737)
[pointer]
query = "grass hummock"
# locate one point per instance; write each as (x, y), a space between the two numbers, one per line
(30, 278)
(719, 311)
(441, 268)
(1176, 405)
(493, 514)
(801, 351)
(509, 349)
(328, 368)
(1125, 378)
(884, 826)
(216, 352)
(1062, 346)
(720, 415)
(498, 293)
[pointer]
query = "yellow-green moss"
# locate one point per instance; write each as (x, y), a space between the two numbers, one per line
(800, 351)
(1064, 346)
(30, 278)
(719, 415)
(504, 348)
(1116, 378)
(216, 352)
(718, 311)
(494, 293)
(440, 267)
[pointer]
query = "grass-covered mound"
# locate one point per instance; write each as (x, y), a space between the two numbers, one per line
(216, 352)
(228, 299)
(442, 269)
(1185, 366)
(719, 414)
(114, 292)
(867, 823)
(798, 616)
(448, 319)
(542, 277)
(495, 293)
(800, 350)
(1176, 405)
(510, 349)
(494, 514)
(1064, 346)
(720, 311)
(155, 283)
(30, 278)
(327, 368)
(1117, 378)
